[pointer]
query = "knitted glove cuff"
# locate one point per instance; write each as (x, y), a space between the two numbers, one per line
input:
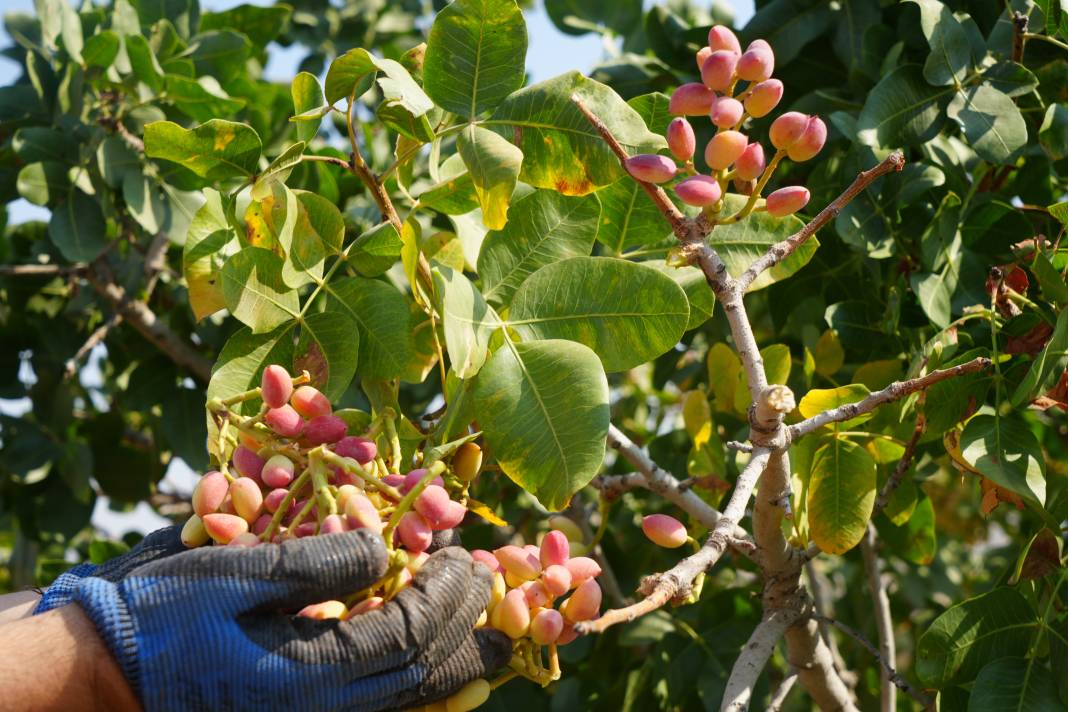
(108, 612)
(61, 591)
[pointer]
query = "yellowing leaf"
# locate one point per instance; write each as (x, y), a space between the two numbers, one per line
(484, 511)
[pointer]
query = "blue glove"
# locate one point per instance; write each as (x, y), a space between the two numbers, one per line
(160, 543)
(211, 628)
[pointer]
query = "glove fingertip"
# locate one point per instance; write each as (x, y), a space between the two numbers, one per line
(494, 648)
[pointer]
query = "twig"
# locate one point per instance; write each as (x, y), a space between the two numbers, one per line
(754, 656)
(822, 604)
(895, 677)
(895, 391)
(778, 698)
(781, 250)
(99, 334)
(138, 315)
(676, 583)
(896, 477)
(679, 224)
(665, 484)
(884, 625)
(739, 446)
(1019, 34)
(41, 270)
(613, 486)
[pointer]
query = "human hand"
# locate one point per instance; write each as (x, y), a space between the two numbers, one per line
(212, 627)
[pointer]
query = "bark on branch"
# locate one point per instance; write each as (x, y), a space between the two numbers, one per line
(895, 391)
(138, 315)
(676, 583)
(754, 657)
(781, 250)
(884, 625)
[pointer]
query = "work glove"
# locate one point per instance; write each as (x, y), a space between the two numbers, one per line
(212, 628)
(158, 544)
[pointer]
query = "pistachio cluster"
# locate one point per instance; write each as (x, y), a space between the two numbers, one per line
(735, 86)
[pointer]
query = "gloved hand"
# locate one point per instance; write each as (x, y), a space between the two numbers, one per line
(211, 628)
(158, 544)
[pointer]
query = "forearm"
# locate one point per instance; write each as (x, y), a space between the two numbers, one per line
(18, 605)
(58, 661)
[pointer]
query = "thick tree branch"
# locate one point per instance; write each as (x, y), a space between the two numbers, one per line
(677, 582)
(138, 315)
(781, 250)
(822, 603)
(811, 657)
(884, 625)
(895, 677)
(754, 657)
(895, 391)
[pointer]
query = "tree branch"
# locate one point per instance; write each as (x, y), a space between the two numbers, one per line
(677, 582)
(41, 270)
(778, 698)
(896, 477)
(138, 315)
(754, 657)
(680, 225)
(895, 677)
(781, 250)
(884, 625)
(895, 391)
(811, 657)
(821, 602)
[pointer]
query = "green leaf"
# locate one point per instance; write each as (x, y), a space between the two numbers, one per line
(260, 24)
(77, 227)
(967, 636)
(829, 354)
(1015, 685)
(308, 97)
(1005, 450)
(816, 400)
(328, 349)
(1047, 367)
(740, 243)
(219, 54)
(1053, 135)
(544, 412)
(254, 292)
(1050, 279)
(1011, 78)
(216, 150)
(277, 171)
(101, 49)
(698, 293)
(454, 193)
(475, 55)
(992, 123)
(543, 227)
(577, 17)
(950, 56)
(43, 183)
(209, 243)
(902, 110)
(789, 25)
(626, 312)
(841, 495)
(201, 99)
(375, 251)
(145, 201)
(628, 218)
(561, 150)
(184, 427)
(316, 233)
(350, 75)
(494, 165)
(240, 365)
(381, 314)
(116, 159)
(914, 540)
(467, 320)
(143, 62)
(71, 32)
